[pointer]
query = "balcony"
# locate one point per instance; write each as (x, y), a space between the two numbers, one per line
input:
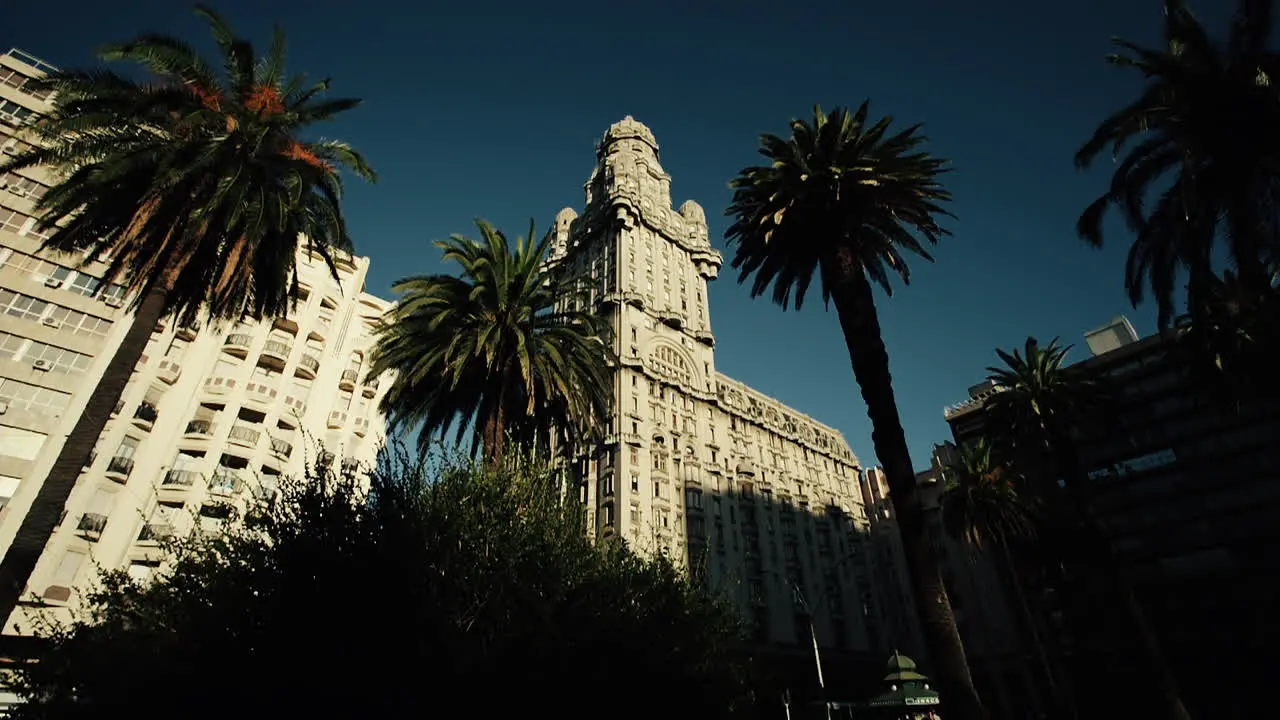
(260, 393)
(219, 385)
(180, 478)
(118, 468)
(296, 405)
(308, 364)
(188, 332)
(91, 526)
(348, 379)
(145, 416)
(281, 447)
(337, 419)
(225, 484)
(199, 429)
(244, 435)
(237, 344)
(360, 426)
(370, 386)
(168, 371)
(275, 354)
(176, 485)
(155, 533)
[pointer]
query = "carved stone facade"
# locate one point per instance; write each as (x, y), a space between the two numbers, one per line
(753, 496)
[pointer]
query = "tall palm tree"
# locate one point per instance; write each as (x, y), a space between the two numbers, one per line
(1205, 135)
(1039, 403)
(845, 199)
(198, 189)
(498, 350)
(985, 504)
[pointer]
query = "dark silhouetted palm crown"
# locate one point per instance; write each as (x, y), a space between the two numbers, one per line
(491, 349)
(982, 502)
(1204, 144)
(836, 182)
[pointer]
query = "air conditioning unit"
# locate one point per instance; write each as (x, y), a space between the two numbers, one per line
(19, 191)
(10, 148)
(51, 322)
(4, 407)
(114, 302)
(44, 365)
(4, 184)
(52, 282)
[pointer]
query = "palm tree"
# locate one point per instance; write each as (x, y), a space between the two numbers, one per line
(1039, 403)
(1202, 136)
(500, 350)
(1236, 336)
(199, 190)
(985, 505)
(844, 199)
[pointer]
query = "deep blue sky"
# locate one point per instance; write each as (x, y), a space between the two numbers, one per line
(491, 109)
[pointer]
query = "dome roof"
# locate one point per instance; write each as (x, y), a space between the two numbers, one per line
(693, 212)
(629, 128)
(566, 215)
(900, 667)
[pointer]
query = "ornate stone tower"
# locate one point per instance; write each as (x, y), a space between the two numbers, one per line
(649, 265)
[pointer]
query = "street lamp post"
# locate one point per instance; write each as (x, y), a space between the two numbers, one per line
(817, 656)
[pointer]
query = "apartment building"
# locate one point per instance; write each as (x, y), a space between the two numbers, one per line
(1183, 476)
(211, 420)
(757, 498)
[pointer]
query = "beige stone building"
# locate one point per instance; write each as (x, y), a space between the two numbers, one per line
(211, 419)
(757, 497)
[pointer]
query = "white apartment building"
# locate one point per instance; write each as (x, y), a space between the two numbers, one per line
(210, 421)
(758, 497)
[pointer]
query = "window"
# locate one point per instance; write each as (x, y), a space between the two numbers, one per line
(128, 446)
(635, 482)
(101, 502)
(20, 444)
(78, 323)
(68, 568)
(15, 113)
(32, 398)
(693, 499)
(14, 221)
(53, 359)
(140, 572)
(8, 486)
(26, 85)
(607, 514)
(23, 186)
(657, 488)
(606, 486)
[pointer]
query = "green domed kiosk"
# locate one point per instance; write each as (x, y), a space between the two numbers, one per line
(908, 695)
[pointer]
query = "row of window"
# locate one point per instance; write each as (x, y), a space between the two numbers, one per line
(16, 184)
(18, 395)
(14, 114)
(57, 276)
(23, 83)
(41, 355)
(57, 316)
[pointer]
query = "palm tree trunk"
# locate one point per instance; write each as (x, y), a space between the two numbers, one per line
(856, 309)
(494, 434)
(46, 510)
(1061, 701)
(1073, 473)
